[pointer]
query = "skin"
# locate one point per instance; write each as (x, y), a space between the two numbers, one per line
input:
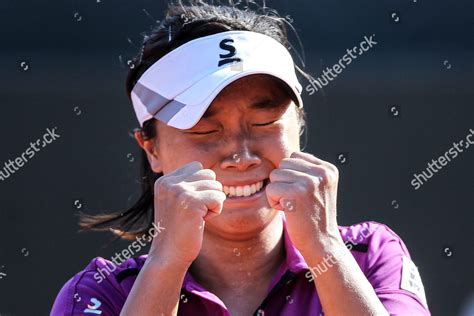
(232, 249)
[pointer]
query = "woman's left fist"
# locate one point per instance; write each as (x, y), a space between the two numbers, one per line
(305, 187)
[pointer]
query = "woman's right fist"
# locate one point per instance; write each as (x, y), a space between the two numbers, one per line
(184, 199)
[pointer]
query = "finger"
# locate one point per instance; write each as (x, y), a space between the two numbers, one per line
(291, 171)
(193, 173)
(202, 185)
(296, 164)
(295, 172)
(202, 202)
(210, 215)
(203, 174)
(277, 192)
(212, 200)
(309, 157)
(308, 166)
(188, 168)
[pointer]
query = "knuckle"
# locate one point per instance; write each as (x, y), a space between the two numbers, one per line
(176, 188)
(196, 164)
(169, 186)
(273, 174)
(158, 185)
(330, 175)
(336, 171)
(158, 182)
(333, 168)
(324, 175)
(222, 196)
(204, 185)
(309, 183)
(207, 174)
(284, 161)
(301, 188)
(295, 154)
(185, 198)
(218, 185)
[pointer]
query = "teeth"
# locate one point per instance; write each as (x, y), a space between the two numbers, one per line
(243, 190)
(253, 188)
(246, 190)
(239, 191)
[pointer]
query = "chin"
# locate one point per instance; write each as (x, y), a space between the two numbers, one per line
(242, 221)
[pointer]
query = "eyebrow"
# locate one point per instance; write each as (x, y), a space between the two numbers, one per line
(259, 105)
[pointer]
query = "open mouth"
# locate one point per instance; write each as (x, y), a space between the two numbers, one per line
(246, 190)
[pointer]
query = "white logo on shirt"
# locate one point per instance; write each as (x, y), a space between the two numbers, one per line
(411, 280)
(93, 309)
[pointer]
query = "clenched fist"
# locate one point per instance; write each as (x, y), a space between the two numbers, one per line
(184, 199)
(305, 187)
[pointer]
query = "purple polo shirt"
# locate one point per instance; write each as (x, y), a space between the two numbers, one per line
(380, 253)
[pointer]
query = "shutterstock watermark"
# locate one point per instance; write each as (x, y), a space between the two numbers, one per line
(423, 177)
(127, 253)
(12, 166)
(329, 74)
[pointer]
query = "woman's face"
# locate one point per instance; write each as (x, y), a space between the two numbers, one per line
(249, 127)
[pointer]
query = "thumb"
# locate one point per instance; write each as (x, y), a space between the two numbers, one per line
(273, 197)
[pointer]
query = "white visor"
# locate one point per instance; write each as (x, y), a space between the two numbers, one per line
(181, 85)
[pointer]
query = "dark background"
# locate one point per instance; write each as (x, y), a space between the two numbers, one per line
(423, 65)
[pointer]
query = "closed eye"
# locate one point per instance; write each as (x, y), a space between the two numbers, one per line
(264, 124)
(202, 133)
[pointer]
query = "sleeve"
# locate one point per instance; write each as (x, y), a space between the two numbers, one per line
(91, 291)
(393, 275)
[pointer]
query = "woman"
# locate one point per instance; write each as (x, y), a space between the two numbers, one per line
(244, 223)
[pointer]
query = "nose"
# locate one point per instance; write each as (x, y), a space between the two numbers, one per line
(242, 159)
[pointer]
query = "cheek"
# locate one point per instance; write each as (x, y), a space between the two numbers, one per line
(289, 134)
(179, 152)
(278, 144)
(286, 138)
(292, 137)
(292, 131)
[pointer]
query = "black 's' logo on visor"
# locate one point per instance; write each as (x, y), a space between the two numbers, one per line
(227, 58)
